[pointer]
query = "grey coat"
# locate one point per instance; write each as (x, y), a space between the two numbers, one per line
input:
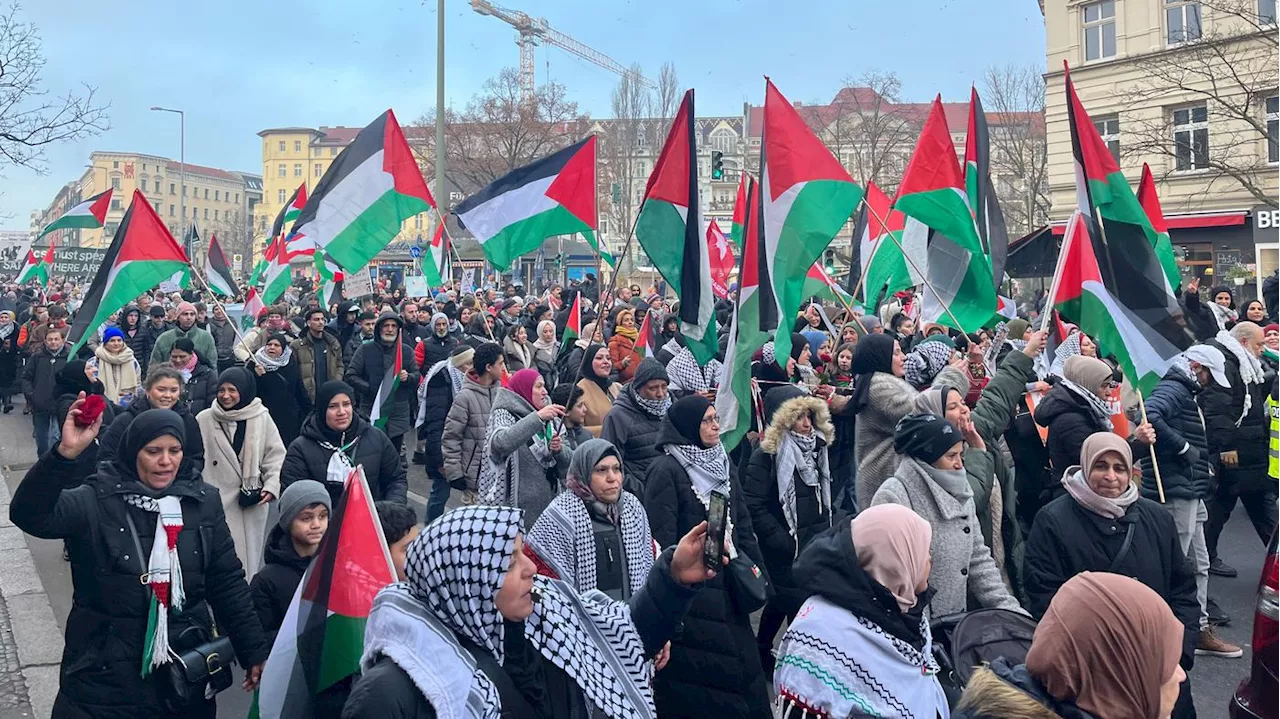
(962, 563)
(512, 468)
(463, 439)
(892, 398)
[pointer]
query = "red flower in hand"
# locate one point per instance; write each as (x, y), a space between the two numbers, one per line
(92, 408)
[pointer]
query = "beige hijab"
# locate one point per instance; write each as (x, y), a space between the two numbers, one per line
(892, 543)
(1107, 643)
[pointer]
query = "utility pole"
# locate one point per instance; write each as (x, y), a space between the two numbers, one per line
(182, 171)
(442, 193)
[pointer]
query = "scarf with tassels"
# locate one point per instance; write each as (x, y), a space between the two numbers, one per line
(164, 575)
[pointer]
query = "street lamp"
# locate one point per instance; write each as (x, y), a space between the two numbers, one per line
(182, 171)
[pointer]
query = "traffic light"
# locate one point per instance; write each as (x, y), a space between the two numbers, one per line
(829, 259)
(717, 165)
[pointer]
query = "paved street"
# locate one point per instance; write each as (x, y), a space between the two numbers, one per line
(30, 643)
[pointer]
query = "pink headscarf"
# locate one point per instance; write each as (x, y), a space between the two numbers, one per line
(522, 383)
(892, 543)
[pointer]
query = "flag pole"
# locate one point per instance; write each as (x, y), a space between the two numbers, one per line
(613, 285)
(1058, 269)
(924, 276)
(1142, 404)
(214, 298)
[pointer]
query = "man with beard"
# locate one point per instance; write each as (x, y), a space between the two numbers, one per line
(206, 350)
(319, 353)
(368, 366)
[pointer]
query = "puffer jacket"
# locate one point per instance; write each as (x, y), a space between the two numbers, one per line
(1229, 426)
(306, 355)
(1004, 691)
(308, 458)
(715, 668)
(354, 343)
(510, 461)
(465, 430)
(1182, 447)
(99, 674)
(201, 391)
(778, 546)
(1070, 421)
(635, 433)
(437, 399)
(364, 375)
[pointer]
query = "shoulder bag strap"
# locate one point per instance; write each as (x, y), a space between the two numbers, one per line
(1124, 549)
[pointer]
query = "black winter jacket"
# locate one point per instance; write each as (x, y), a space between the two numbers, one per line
(285, 397)
(40, 378)
(715, 668)
(635, 433)
(1224, 406)
(201, 391)
(224, 338)
(353, 343)
(109, 438)
(777, 547)
(435, 349)
(108, 621)
(1182, 448)
(307, 459)
(364, 374)
(149, 333)
(273, 586)
(10, 363)
(1067, 539)
(438, 401)
(1070, 421)
(530, 687)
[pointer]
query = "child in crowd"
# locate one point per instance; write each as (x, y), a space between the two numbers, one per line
(399, 527)
(570, 397)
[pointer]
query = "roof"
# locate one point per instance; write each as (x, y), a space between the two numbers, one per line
(202, 170)
(339, 135)
(283, 130)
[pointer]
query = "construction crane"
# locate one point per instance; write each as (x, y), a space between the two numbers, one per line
(535, 30)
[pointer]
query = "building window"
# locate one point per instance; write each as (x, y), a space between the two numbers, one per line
(417, 222)
(237, 198)
(184, 190)
(282, 145)
(115, 183)
(333, 152)
(173, 189)
(171, 210)
(1109, 128)
(1100, 30)
(1273, 129)
(157, 187)
(280, 197)
(1191, 138)
(1267, 12)
(297, 145)
(206, 193)
(282, 171)
(115, 205)
(217, 195)
(110, 229)
(1182, 21)
(297, 169)
(319, 169)
(115, 164)
(724, 140)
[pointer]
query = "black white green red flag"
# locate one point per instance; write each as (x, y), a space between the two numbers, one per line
(89, 214)
(435, 261)
(1155, 214)
(553, 195)
(736, 399)
(669, 228)
(573, 325)
(253, 306)
(386, 397)
(37, 269)
(807, 196)
(322, 637)
(876, 226)
(141, 256)
(371, 188)
(739, 212)
(217, 271)
(981, 191)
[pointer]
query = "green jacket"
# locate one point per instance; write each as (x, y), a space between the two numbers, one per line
(206, 350)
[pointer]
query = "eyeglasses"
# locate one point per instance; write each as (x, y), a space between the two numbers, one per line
(708, 421)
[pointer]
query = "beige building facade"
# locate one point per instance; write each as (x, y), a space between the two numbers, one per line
(1190, 88)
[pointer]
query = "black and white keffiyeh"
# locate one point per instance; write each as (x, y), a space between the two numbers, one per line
(925, 361)
(708, 470)
(1098, 406)
(493, 485)
(686, 375)
(1250, 367)
(563, 537)
(455, 378)
(653, 407)
(453, 572)
(800, 454)
(269, 363)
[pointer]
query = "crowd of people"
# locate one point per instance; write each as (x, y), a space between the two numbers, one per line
(895, 473)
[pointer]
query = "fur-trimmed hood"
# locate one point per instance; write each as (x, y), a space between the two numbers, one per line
(787, 414)
(1002, 691)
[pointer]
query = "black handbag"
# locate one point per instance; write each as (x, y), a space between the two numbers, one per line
(200, 663)
(751, 588)
(249, 497)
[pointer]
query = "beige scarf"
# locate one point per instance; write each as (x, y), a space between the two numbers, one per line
(117, 373)
(219, 426)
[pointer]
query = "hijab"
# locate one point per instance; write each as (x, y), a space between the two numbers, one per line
(522, 383)
(892, 543)
(146, 427)
(586, 339)
(873, 354)
(1076, 479)
(588, 371)
(243, 381)
(1082, 376)
(1107, 643)
(71, 379)
(546, 345)
(324, 395)
(707, 467)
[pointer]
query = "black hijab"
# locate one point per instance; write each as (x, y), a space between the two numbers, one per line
(145, 427)
(243, 381)
(874, 354)
(588, 371)
(324, 395)
(686, 416)
(71, 379)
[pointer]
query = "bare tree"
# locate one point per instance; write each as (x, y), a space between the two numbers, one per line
(499, 131)
(669, 92)
(1013, 98)
(1230, 70)
(628, 137)
(868, 131)
(31, 119)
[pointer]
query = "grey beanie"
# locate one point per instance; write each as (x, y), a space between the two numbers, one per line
(300, 495)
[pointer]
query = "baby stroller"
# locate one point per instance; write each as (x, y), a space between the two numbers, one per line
(964, 642)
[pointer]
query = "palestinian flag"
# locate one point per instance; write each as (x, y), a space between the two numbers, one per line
(605, 254)
(981, 192)
(1005, 308)
(435, 261)
(818, 283)
(645, 344)
(291, 211)
(735, 406)
(253, 307)
(277, 276)
(669, 228)
(371, 187)
(572, 326)
(807, 197)
(1082, 295)
(1105, 197)
(554, 195)
(331, 276)
(1155, 215)
(322, 637)
(879, 257)
(933, 192)
(722, 260)
(37, 269)
(142, 255)
(217, 272)
(386, 397)
(89, 214)
(739, 212)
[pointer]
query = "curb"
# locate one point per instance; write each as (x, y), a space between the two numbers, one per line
(32, 621)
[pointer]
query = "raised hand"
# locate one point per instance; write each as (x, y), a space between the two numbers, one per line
(75, 439)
